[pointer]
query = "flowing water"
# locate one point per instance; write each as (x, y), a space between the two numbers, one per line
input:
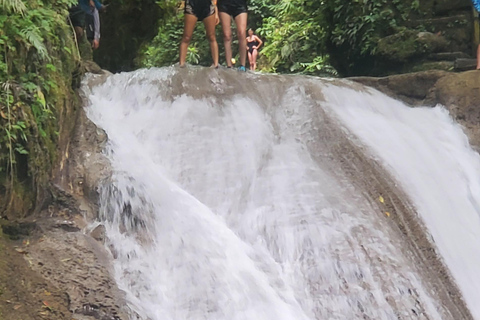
(240, 196)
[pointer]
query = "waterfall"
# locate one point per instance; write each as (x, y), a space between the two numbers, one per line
(243, 196)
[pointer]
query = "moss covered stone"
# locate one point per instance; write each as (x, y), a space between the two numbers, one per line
(410, 44)
(374, 37)
(433, 65)
(38, 61)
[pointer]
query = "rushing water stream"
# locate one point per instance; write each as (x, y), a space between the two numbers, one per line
(229, 198)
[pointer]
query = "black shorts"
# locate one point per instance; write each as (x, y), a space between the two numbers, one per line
(77, 16)
(232, 7)
(199, 8)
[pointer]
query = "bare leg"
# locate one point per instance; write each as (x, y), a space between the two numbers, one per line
(254, 59)
(478, 57)
(227, 36)
(209, 23)
(190, 21)
(241, 22)
(250, 60)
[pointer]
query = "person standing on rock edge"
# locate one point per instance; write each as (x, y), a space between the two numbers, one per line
(78, 12)
(200, 10)
(476, 4)
(92, 28)
(253, 44)
(238, 10)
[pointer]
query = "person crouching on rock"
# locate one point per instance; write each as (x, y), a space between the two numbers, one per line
(200, 10)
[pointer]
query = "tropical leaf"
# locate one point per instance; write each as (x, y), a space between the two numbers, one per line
(34, 39)
(15, 6)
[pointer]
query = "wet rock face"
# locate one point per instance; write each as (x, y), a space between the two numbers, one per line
(409, 44)
(460, 93)
(60, 250)
(82, 166)
(413, 88)
(79, 265)
(98, 233)
(65, 272)
(71, 256)
(16, 231)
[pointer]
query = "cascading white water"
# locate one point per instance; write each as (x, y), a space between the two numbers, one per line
(432, 159)
(227, 200)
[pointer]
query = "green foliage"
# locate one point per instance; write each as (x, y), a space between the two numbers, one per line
(300, 36)
(36, 64)
(293, 43)
(295, 38)
(306, 36)
(13, 6)
(33, 37)
(258, 10)
(163, 49)
(360, 24)
(354, 29)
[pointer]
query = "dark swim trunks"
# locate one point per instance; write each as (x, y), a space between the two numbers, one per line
(77, 16)
(232, 7)
(199, 8)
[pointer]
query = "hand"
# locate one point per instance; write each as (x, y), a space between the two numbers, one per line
(255, 47)
(217, 19)
(103, 8)
(91, 3)
(95, 44)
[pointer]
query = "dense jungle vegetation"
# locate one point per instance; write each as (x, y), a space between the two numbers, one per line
(38, 58)
(300, 35)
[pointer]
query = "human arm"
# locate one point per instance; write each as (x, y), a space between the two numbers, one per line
(98, 4)
(96, 22)
(260, 42)
(217, 18)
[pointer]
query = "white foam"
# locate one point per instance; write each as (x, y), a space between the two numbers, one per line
(432, 160)
(227, 209)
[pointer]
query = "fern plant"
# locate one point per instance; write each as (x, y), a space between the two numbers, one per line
(36, 64)
(13, 6)
(33, 38)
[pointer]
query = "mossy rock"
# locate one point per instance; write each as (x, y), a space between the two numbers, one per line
(16, 231)
(408, 44)
(459, 39)
(433, 65)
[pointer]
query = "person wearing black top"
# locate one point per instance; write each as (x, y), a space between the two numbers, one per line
(253, 44)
